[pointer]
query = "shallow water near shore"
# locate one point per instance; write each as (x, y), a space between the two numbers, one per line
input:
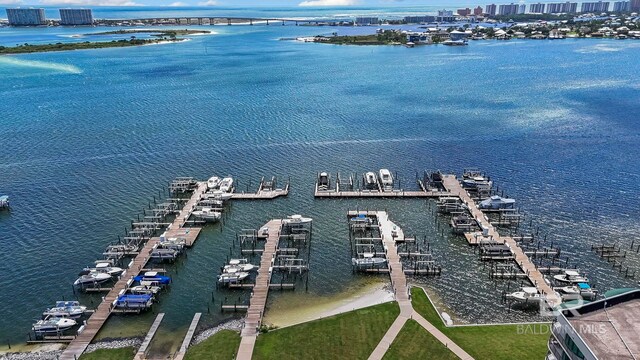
(91, 136)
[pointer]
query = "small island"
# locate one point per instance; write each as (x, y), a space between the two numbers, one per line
(387, 37)
(160, 37)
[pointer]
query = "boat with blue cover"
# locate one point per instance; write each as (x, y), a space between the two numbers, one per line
(152, 277)
(134, 301)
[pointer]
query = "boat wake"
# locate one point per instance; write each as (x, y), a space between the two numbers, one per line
(44, 65)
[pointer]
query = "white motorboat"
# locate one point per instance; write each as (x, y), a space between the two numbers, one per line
(71, 309)
(4, 202)
(386, 179)
(577, 291)
(324, 182)
(175, 243)
(161, 253)
(232, 276)
(370, 180)
(571, 277)
(226, 185)
(88, 277)
(368, 260)
(207, 214)
(106, 268)
(213, 183)
(218, 195)
(454, 42)
(526, 295)
(296, 220)
(239, 265)
(145, 289)
(497, 203)
(53, 325)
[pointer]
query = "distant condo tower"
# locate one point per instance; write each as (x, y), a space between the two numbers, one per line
(620, 6)
(634, 5)
(76, 17)
(26, 17)
(491, 9)
(536, 8)
(595, 7)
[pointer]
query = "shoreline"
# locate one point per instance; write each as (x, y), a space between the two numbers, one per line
(307, 308)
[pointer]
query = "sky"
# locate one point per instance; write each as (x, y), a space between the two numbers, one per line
(229, 3)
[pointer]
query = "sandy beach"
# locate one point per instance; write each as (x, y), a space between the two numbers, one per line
(299, 308)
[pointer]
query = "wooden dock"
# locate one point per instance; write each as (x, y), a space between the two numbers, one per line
(260, 292)
(533, 274)
(106, 308)
(379, 194)
(188, 337)
(261, 194)
(142, 351)
(391, 233)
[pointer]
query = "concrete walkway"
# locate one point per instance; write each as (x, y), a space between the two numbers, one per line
(390, 232)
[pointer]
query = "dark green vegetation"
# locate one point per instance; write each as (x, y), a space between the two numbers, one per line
(351, 335)
(159, 33)
(110, 354)
(494, 342)
(385, 38)
(223, 345)
(27, 48)
(414, 342)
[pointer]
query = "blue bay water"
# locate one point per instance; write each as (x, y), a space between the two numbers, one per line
(89, 137)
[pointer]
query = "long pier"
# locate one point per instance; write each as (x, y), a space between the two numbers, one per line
(379, 194)
(532, 273)
(260, 292)
(188, 337)
(142, 351)
(106, 307)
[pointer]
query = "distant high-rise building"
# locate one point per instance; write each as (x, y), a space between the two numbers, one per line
(536, 8)
(510, 9)
(76, 17)
(522, 8)
(491, 9)
(419, 19)
(464, 12)
(367, 20)
(634, 5)
(595, 7)
(26, 17)
(477, 11)
(445, 13)
(566, 7)
(621, 6)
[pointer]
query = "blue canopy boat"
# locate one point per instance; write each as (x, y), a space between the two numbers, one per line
(134, 301)
(153, 277)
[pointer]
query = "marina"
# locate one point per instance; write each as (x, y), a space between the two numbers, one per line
(80, 169)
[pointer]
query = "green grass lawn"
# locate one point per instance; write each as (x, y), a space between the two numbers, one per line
(414, 342)
(351, 335)
(110, 354)
(222, 345)
(494, 342)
